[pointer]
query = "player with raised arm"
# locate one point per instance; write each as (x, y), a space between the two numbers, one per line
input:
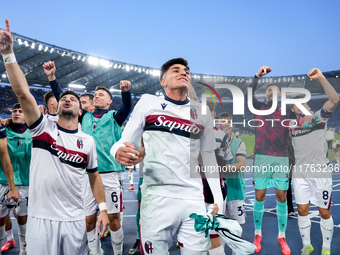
(173, 138)
(105, 127)
(270, 151)
(312, 177)
(60, 155)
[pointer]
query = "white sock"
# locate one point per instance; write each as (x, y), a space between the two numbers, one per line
(22, 238)
(117, 238)
(282, 234)
(304, 227)
(327, 227)
(2, 234)
(94, 242)
(9, 235)
(217, 251)
(131, 178)
(258, 232)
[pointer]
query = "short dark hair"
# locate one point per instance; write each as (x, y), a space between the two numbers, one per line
(70, 92)
(16, 106)
(224, 115)
(47, 96)
(272, 85)
(106, 89)
(211, 105)
(87, 95)
(165, 67)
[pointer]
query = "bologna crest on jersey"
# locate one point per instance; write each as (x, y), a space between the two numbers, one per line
(193, 113)
(19, 143)
(148, 247)
(80, 143)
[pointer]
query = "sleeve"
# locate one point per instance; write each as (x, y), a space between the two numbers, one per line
(123, 112)
(2, 131)
(241, 151)
(208, 142)
(92, 165)
(38, 127)
(56, 89)
(323, 114)
(134, 128)
(256, 103)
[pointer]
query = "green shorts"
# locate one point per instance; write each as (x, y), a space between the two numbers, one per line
(139, 193)
(270, 171)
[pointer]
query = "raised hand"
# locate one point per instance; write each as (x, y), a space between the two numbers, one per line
(263, 71)
(315, 74)
(49, 68)
(125, 85)
(6, 40)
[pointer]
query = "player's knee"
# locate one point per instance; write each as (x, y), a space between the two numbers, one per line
(281, 196)
(215, 241)
(91, 222)
(303, 211)
(325, 214)
(114, 225)
(3, 220)
(260, 197)
(114, 221)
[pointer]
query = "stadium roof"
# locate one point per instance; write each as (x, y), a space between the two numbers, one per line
(84, 72)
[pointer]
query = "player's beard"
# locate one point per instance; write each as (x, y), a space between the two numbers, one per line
(67, 114)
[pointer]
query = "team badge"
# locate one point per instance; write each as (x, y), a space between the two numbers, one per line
(193, 113)
(80, 143)
(94, 126)
(19, 143)
(148, 247)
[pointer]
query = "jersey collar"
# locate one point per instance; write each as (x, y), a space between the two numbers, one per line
(175, 101)
(67, 130)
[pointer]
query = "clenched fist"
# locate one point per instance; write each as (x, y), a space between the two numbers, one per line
(125, 85)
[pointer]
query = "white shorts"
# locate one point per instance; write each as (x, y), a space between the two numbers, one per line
(235, 210)
(162, 217)
(21, 209)
(317, 191)
(56, 237)
(3, 191)
(113, 194)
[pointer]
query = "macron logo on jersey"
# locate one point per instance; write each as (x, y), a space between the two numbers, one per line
(174, 125)
(164, 105)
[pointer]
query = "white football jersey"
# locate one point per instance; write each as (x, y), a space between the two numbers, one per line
(309, 144)
(174, 132)
(52, 117)
(59, 160)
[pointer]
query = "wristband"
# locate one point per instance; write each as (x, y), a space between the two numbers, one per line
(9, 58)
(102, 206)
